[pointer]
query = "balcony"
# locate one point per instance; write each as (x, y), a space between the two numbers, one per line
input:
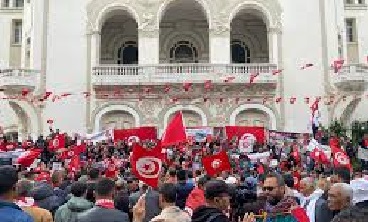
(352, 77)
(114, 75)
(15, 80)
(355, 5)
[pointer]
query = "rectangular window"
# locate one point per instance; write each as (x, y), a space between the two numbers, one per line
(361, 2)
(19, 3)
(351, 30)
(17, 32)
(5, 3)
(349, 1)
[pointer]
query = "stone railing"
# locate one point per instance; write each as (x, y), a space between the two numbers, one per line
(352, 72)
(15, 79)
(180, 73)
(351, 77)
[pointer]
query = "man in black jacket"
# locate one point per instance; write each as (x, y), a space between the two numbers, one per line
(218, 201)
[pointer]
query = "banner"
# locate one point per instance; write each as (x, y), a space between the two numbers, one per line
(136, 134)
(56, 166)
(363, 154)
(199, 134)
(100, 136)
(263, 157)
(278, 138)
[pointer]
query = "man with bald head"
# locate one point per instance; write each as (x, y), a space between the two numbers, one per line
(340, 197)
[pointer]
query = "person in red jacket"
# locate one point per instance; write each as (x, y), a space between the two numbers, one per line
(196, 197)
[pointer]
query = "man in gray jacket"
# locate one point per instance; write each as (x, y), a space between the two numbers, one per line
(104, 209)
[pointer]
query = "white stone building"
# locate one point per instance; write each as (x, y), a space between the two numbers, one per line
(135, 55)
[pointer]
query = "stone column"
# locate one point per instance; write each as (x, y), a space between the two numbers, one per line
(220, 44)
(95, 48)
(148, 46)
(274, 37)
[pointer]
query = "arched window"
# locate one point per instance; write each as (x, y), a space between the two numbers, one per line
(183, 52)
(128, 53)
(240, 52)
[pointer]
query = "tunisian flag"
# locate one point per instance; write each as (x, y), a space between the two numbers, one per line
(241, 131)
(216, 163)
(27, 158)
(174, 132)
(319, 156)
(57, 143)
(340, 157)
(136, 134)
(147, 164)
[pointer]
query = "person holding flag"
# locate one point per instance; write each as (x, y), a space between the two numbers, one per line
(315, 118)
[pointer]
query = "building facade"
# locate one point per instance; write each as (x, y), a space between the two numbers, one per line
(129, 63)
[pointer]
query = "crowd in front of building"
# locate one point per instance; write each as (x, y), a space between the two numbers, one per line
(104, 187)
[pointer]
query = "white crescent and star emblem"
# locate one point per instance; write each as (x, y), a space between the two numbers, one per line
(149, 167)
(133, 139)
(216, 163)
(341, 158)
(56, 142)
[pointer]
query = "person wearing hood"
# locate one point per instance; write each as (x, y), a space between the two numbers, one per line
(218, 201)
(9, 211)
(27, 203)
(77, 204)
(44, 197)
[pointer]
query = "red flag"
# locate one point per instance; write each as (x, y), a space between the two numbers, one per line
(208, 84)
(175, 131)
(275, 72)
(297, 177)
(229, 79)
(253, 77)
(296, 155)
(306, 66)
(167, 88)
(28, 157)
(46, 95)
(216, 163)
(340, 157)
(57, 143)
(300, 214)
(78, 149)
(136, 134)
(187, 86)
(319, 156)
(10, 146)
(75, 164)
(146, 164)
(337, 65)
(244, 131)
(25, 92)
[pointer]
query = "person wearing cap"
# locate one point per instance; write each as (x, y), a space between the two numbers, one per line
(28, 204)
(43, 194)
(217, 199)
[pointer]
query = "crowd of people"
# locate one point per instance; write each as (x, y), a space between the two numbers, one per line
(104, 187)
